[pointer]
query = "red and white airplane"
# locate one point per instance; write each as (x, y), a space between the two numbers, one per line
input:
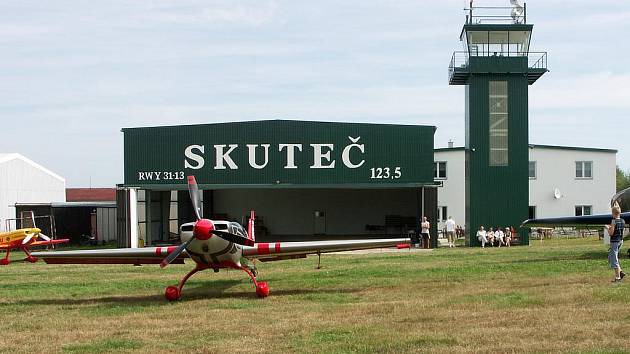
(213, 245)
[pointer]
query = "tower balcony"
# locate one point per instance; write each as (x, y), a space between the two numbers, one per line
(463, 64)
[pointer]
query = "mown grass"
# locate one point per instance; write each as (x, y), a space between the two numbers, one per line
(549, 298)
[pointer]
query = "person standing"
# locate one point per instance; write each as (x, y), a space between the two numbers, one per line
(481, 236)
(615, 230)
(450, 231)
(425, 225)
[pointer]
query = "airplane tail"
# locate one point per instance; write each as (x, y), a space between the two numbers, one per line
(250, 226)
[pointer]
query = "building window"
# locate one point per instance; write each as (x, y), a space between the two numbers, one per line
(498, 125)
(442, 213)
(532, 212)
(532, 170)
(583, 169)
(439, 170)
(583, 210)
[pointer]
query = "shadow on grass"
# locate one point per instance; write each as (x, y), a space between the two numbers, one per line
(594, 255)
(200, 291)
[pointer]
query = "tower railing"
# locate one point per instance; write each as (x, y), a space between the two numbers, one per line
(460, 60)
(496, 14)
(540, 63)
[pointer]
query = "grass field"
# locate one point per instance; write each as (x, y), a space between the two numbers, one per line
(555, 297)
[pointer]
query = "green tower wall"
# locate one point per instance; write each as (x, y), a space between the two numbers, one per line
(496, 196)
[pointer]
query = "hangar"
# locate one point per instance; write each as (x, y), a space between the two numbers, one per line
(23, 180)
(306, 180)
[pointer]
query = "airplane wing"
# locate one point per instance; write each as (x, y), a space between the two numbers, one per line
(36, 243)
(575, 221)
(286, 250)
(49, 242)
(147, 255)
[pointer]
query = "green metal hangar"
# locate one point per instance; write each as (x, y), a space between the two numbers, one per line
(305, 180)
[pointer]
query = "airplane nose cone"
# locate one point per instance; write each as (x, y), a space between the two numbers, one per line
(203, 229)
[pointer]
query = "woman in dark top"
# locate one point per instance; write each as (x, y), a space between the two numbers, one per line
(615, 230)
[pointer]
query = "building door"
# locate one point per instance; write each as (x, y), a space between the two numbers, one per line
(532, 212)
(319, 222)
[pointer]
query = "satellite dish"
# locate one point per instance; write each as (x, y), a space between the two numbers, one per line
(517, 11)
(556, 193)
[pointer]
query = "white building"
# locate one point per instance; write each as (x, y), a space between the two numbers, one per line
(24, 181)
(562, 181)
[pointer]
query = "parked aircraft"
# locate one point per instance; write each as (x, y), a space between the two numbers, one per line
(622, 198)
(22, 239)
(215, 244)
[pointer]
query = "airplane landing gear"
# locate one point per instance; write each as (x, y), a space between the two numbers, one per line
(5, 260)
(173, 293)
(262, 288)
(29, 258)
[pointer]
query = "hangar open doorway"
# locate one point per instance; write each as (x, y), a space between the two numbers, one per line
(293, 214)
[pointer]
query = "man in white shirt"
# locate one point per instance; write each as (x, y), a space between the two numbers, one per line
(450, 231)
(481, 236)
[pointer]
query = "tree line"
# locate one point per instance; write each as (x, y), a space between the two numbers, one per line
(623, 179)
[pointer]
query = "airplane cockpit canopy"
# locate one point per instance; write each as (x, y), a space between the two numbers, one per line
(237, 229)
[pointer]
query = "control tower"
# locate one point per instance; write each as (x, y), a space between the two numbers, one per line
(497, 68)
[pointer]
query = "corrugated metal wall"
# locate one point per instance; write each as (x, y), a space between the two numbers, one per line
(155, 157)
(497, 196)
(106, 224)
(122, 218)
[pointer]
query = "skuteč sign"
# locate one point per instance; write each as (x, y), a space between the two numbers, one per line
(279, 153)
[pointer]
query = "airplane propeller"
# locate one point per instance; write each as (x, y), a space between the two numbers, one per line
(203, 228)
(30, 236)
(171, 257)
(233, 238)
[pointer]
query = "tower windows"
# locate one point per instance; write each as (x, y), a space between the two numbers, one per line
(498, 125)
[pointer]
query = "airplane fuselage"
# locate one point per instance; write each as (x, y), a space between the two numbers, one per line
(14, 238)
(214, 252)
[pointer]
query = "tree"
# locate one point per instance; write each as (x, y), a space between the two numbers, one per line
(623, 179)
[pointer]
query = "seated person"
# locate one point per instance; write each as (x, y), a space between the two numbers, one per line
(481, 236)
(508, 237)
(490, 236)
(498, 236)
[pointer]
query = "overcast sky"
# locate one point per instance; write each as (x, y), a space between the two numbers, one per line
(73, 73)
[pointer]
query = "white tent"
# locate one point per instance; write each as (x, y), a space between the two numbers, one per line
(24, 181)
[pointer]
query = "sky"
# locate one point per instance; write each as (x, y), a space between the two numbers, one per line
(73, 73)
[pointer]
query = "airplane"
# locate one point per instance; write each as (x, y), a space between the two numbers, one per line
(213, 244)
(23, 239)
(622, 198)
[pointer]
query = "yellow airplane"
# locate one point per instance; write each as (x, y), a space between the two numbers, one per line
(23, 239)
